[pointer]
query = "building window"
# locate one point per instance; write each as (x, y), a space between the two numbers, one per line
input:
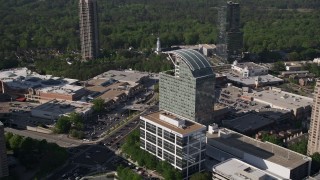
(142, 143)
(168, 157)
(159, 152)
(151, 128)
(178, 151)
(168, 146)
(159, 142)
(179, 162)
(151, 148)
(150, 137)
(169, 136)
(159, 132)
(142, 135)
(193, 169)
(142, 124)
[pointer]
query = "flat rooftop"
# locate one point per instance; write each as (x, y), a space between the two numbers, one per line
(263, 150)
(62, 107)
(231, 97)
(190, 126)
(123, 76)
(249, 81)
(282, 99)
(250, 65)
(247, 122)
(22, 78)
(108, 90)
(273, 113)
(112, 94)
(294, 72)
(65, 89)
(239, 170)
(208, 46)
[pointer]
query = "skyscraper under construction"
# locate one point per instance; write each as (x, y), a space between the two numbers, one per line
(89, 36)
(230, 38)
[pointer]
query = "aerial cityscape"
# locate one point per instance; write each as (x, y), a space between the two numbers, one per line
(184, 89)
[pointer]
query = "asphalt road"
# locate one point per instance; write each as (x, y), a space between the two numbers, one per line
(60, 139)
(88, 157)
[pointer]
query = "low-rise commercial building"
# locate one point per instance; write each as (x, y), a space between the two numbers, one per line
(253, 81)
(232, 169)
(249, 74)
(248, 69)
(177, 140)
(54, 109)
(112, 91)
(248, 124)
(288, 73)
(223, 144)
(21, 82)
(293, 66)
(207, 49)
(300, 106)
(129, 76)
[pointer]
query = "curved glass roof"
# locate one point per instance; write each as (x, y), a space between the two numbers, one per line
(197, 62)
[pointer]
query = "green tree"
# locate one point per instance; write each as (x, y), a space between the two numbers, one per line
(8, 136)
(294, 56)
(76, 120)
(76, 133)
(63, 125)
(98, 104)
(272, 138)
(27, 145)
(315, 166)
(201, 176)
(127, 174)
(278, 66)
(300, 147)
(15, 142)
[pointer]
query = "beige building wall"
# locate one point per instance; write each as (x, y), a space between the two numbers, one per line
(314, 131)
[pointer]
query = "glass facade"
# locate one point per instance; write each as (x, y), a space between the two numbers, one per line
(188, 93)
(186, 153)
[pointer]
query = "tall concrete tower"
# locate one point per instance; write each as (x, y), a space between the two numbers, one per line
(158, 49)
(314, 130)
(4, 171)
(230, 38)
(89, 36)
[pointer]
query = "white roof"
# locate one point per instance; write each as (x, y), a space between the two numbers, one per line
(131, 77)
(282, 99)
(239, 170)
(22, 78)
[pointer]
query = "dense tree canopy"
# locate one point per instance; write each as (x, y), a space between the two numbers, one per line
(300, 147)
(72, 124)
(267, 25)
(127, 174)
(36, 155)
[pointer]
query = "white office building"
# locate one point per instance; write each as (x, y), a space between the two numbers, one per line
(223, 144)
(175, 139)
(249, 69)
